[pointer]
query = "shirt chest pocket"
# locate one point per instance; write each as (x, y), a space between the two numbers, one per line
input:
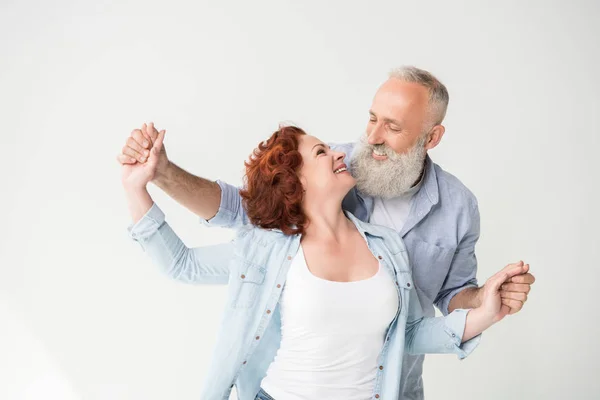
(248, 284)
(430, 265)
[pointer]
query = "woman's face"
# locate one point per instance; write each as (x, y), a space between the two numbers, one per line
(323, 172)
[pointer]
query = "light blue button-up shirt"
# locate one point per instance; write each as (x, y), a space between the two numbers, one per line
(255, 266)
(440, 234)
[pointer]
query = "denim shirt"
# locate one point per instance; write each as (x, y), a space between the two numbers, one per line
(440, 234)
(255, 266)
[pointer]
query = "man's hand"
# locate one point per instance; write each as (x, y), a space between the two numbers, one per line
(493, 305)
(135, 177)
(137, 148)
(515, 290)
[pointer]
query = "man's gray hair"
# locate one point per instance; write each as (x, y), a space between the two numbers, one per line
(438, 94)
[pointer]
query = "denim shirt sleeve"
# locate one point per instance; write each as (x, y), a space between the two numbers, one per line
(203, 265)
(463, 270)
(441, 335)
(231, 212)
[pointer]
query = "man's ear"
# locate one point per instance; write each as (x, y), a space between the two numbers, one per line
(435, 136)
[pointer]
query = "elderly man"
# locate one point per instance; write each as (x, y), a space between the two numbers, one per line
(398, 186)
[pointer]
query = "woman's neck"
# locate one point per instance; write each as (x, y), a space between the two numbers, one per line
(327, 225)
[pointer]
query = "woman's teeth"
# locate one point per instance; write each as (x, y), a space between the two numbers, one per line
(337, 171)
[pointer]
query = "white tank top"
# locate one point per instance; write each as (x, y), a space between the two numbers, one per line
(332, 334)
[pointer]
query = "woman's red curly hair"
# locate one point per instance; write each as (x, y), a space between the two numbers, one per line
(273, 193)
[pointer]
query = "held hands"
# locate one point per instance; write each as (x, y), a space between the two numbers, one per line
(136, 175)
(138, 145)
(514, 291)
(506, 291)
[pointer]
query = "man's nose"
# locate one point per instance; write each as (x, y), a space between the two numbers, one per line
(374, 136)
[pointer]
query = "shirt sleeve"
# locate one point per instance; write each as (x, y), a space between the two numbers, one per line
(463, 270)
(231, 212)
(202, 265)
(437, 335)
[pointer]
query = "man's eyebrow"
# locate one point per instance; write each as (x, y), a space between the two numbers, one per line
(393, 121)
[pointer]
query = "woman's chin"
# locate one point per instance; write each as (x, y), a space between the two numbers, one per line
(349, 185)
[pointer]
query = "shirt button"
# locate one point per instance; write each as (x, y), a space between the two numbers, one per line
(408, 284)
(268, 311)
(289, 257)
(381, 258)
(258, 337)
(244, 362)
(453, 335)
(376, 396)
(381, 367)
(243, 276)
(278, 286)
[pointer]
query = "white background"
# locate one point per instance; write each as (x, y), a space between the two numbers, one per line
(85, 315)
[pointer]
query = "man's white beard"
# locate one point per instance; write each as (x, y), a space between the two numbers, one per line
(388, 178)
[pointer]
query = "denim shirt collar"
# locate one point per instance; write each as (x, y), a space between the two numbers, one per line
(363, 228)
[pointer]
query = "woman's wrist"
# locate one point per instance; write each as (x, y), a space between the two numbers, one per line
(485, 319)
(139, 201)
(132, 189)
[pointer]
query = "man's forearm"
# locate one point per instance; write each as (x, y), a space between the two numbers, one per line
(467, 298)
(199, 195)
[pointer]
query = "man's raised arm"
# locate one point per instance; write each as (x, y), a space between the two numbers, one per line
(217, 203)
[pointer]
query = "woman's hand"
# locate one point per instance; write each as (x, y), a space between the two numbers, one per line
(492, 304)
(493, 308)
(136, 176)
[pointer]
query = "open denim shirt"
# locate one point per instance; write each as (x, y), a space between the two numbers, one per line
(255, 266)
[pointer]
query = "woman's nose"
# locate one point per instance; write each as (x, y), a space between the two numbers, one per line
(340, 156)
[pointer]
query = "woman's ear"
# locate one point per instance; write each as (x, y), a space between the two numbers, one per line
(302, 182)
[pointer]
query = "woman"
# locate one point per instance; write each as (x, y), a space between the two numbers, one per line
(320, 304)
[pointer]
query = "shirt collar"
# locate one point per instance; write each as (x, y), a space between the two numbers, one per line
(363, 227)
(430, 183)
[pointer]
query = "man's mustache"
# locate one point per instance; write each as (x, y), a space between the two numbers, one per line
(382, 149)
